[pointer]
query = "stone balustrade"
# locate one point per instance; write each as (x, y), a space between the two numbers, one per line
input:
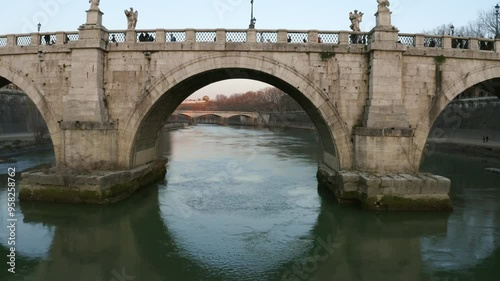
(222, 36)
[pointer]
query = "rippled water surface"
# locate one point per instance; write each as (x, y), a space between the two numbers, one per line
(243, 204)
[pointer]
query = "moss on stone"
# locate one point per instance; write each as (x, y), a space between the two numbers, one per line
(350, 195)
(399, 203)
(90, 196)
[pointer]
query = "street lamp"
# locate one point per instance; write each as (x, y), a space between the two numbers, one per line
(39, 25)
(497, 8)
(252, 19)
(452, 29)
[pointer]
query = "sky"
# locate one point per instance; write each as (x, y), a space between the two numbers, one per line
(409, 16)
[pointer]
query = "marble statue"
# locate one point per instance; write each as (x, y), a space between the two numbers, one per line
(131, 18)
(355, 18)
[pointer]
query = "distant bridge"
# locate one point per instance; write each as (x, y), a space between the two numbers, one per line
(221, 114)
(221, 117)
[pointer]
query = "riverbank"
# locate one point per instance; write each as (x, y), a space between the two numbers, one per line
(19, 143)
(469, 147)
(174, 126)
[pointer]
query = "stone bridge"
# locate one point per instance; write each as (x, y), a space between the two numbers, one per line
(194, 116)
(221, 114)
(373, 97)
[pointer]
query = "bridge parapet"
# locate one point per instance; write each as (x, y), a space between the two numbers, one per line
(242, 36)
(447, 42)
(36, 39)
(216, 36)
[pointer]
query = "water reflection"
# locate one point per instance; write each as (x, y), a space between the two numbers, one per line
(254, 216)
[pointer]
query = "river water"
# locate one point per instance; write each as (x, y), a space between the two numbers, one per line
(243, 204)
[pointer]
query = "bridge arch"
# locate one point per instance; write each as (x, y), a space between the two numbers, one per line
(208, 114)
(450, 91)
(141, 130)
(9, 75)
(238, 115)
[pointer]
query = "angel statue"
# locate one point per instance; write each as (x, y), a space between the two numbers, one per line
(94, 4)
(355, 18)
(131, 18)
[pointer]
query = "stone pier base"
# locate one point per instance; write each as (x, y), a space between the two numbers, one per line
(394, 192)
(91, 187)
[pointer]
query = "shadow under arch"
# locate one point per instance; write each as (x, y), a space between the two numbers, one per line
(160, 101)
(488, 77)
(10, 75)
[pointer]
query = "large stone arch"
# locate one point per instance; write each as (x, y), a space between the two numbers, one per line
(11, 75)
(450, 91)
(140, 132)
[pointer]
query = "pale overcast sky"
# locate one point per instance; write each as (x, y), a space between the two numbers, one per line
(410, 16)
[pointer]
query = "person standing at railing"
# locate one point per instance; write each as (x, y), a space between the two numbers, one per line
(172, 38)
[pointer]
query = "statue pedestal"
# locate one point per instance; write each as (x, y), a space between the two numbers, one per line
(94, 17)
(131, 36)
(383, 16)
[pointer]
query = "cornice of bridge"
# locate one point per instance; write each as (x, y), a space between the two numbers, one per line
(246, 40)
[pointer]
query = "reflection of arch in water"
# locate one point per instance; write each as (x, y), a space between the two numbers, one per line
(94, 244)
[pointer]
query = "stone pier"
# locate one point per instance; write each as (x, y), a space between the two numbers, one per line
(91, 187)
(388, 192)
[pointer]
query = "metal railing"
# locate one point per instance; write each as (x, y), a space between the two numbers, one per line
(486, 44)
(266, 36)
(460, 43)
(328, 38)
(407, 39)
(205, 36)
(236, 36)
(362, 38)
(24, 40)
(3, 41)
(118, 37)
(433, 41)
(48, 39)
(72, 37)
(175, 36)
(145, 36)
(297, 37)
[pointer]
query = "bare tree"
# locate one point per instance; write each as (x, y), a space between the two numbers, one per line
(482, 27)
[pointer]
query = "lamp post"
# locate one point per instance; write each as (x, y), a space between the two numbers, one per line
(39, 25)
(252, 19)
(497, 8)
(452, 29)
